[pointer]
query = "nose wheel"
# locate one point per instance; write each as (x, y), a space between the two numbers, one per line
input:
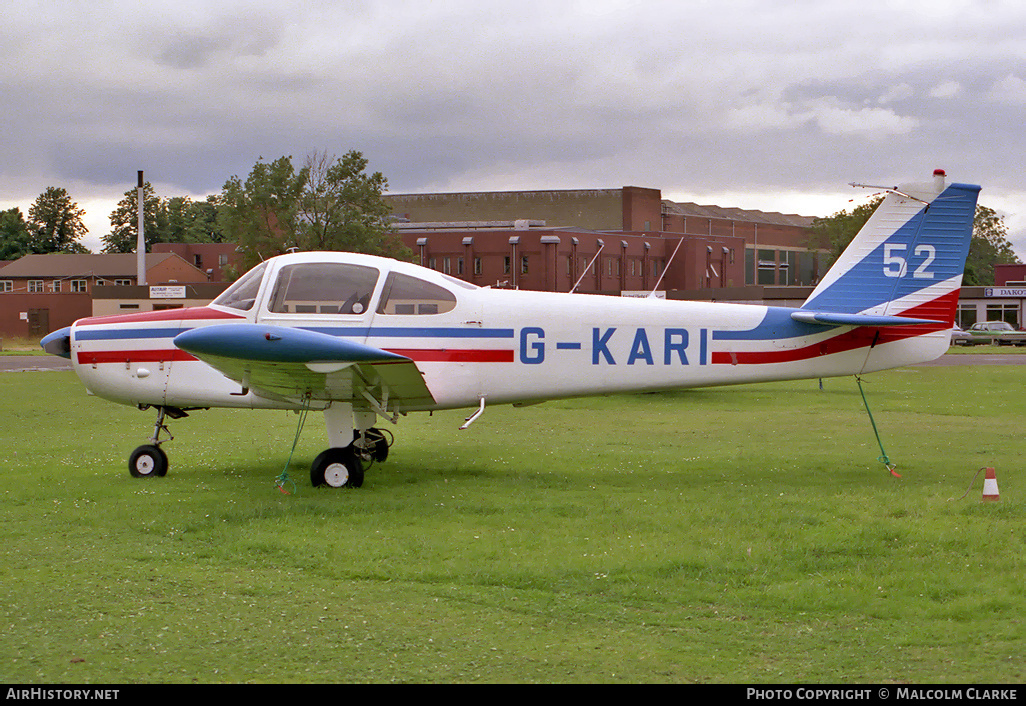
(147, 461)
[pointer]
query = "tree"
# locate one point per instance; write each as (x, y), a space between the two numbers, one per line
(261, 214)
(55, 223)
(191, 221)
(15, 240)
(178, 219)
(989, 247)
(343, 208)
(124, 221)
(329, 204)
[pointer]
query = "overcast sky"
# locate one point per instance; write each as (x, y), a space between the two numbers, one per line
(767, 105)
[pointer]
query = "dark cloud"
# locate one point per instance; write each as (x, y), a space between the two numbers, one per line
(715, 99)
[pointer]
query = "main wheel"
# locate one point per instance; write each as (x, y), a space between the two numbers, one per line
(147, 461)
(338, 468)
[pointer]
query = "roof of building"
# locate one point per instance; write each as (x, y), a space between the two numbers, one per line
(60, 265)
(736, 214)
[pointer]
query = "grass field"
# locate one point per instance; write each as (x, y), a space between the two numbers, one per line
(737, 535)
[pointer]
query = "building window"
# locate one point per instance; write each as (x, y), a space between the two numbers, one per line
(6, 285)
(1004, 312)
(78, 285)
(222, 259)
(966, 315)
(123, 282)
(459, 265)
(447, 265)
(505, 265)
(766, 267)
(35, 285)
(477, 265)
(55, 286)
(523, 265)
(806, 268)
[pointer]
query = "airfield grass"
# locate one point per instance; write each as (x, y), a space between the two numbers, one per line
(732, 535)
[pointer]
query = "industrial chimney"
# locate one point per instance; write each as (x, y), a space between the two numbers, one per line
(140, 245)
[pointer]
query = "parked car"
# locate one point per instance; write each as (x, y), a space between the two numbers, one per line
(1001, 333)
(960, 337)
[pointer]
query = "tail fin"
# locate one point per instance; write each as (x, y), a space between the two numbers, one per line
(907, 261)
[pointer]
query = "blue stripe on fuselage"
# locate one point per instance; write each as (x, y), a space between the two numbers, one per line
(111, 334)
(420, 332)
(776, 324)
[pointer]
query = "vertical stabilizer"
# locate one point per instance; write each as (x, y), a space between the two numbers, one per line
(909, 257)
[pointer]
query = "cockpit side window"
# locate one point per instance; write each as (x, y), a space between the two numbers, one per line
(408, 295)
(323, 288)
(242, 294)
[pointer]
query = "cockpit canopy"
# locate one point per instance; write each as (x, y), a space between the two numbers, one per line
(341, 288)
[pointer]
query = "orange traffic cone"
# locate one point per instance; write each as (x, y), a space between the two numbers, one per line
(990, 489)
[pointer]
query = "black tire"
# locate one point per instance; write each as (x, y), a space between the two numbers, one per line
(147, 461)
(337, 468)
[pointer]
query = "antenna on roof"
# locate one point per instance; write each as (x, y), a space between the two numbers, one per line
(140, 245)
(652, 294)
(599, 252)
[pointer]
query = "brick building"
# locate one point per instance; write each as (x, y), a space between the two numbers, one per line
(546, 239)
(42, 293)
(212, 258)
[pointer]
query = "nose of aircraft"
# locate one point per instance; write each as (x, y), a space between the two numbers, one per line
(58, 342)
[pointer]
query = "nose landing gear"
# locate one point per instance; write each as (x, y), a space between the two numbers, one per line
(149, 460)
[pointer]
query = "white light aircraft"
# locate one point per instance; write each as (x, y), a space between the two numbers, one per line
(364, 337)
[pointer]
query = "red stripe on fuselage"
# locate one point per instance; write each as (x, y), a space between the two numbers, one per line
(942, 308)
(167, 355)
(454, 355)
(163, 355)
(190, 314)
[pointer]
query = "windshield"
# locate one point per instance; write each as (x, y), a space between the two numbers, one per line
(242, 294)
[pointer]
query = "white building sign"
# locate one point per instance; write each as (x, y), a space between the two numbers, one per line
(167, 292)
(1011, 292)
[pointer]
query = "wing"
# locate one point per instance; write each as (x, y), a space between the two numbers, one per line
(281, 362)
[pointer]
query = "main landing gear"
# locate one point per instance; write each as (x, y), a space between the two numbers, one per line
(343, 465)
(149, 460)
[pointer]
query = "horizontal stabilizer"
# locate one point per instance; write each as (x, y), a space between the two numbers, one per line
(277, 344)
(834, 319)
